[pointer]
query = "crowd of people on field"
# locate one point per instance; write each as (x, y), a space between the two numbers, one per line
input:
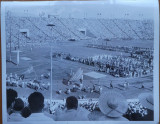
(116, 66)
(20, 81)
(76, 87)
(111, 106)
(126, 49)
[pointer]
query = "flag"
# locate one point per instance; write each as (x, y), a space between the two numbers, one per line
(29, 70)
(77, 76)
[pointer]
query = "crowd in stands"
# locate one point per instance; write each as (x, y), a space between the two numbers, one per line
(111, 106)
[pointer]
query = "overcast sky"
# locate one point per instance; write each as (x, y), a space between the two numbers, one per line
(132, 9)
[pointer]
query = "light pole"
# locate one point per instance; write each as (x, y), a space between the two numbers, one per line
(51, 25)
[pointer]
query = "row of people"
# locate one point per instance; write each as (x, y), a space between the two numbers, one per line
(112, 106)
(127, 49)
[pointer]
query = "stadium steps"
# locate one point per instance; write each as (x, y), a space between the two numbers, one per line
(38, 28)
(95, 28)
(73, 27)
(111, 26)
(133, 30)
(90, 27)
(80, 23)
(56, 30)
(147, 29)
(60, 27)
(68, 28)
(121, 30)
(105, 31)
(122, 24)
(107, 28)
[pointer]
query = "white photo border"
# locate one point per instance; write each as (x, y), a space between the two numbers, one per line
(155, 80)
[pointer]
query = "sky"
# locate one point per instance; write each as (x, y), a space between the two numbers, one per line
(130, 9)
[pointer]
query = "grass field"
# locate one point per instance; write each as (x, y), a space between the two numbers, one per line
(40, 60)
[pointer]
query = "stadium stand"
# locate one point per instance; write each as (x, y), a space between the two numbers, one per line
(65, 29)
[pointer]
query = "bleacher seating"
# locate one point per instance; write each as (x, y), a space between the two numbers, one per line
(68, 28)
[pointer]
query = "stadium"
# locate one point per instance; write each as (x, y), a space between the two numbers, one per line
(61, 57)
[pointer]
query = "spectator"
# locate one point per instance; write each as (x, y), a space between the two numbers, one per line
(19, 105)
(95, 115)
(111, 85)
(11, 96)
(100, 89)
(16, 115)
(146, 99)
(135, 111)
(26, 112)
(112, 105)
(36, 104)
(72, 111)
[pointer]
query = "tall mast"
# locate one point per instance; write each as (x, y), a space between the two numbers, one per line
(51, 73)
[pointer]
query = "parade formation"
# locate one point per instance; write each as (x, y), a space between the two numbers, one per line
(138, 64)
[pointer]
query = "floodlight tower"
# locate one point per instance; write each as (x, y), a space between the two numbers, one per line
(51, 27)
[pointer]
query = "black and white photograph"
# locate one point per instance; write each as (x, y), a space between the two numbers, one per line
(80, 61)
